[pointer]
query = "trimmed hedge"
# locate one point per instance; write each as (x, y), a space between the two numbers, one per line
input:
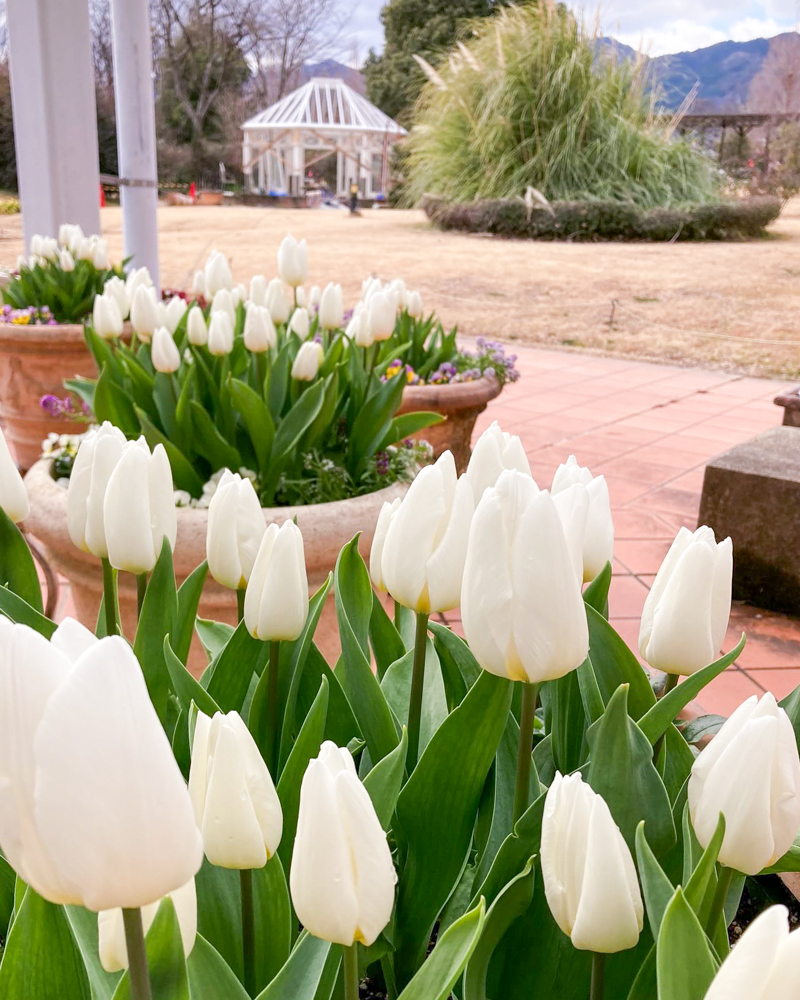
(733, 219)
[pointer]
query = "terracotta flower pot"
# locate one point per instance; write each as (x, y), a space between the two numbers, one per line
(326, 528)
(459, 403)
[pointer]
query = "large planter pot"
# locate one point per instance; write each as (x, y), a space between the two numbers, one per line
(459, 403)
(326, 528)
(34, 361)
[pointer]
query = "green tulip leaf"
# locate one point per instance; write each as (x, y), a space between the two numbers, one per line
(657, 888)
(567, 721)
(593, 704)
(385, 780)
(18, 610)
(83, 924)
(354, 610)
(210, 443)
(791, 705)
(156, 622)
(452, 952)
(596, 594)
(213, 635)
(183, 473)
(41, 958)
(436, 813)
(112, 403)
(8, 878)
(227, 678)
(521, 844)
(210, 977)
(645, 985)
(186, 687)
(300, 977)
(655, 722)
(165, 959)
(451, 646)
(614, 664)
(789, 862)
(340, 726)
(686, 965)
(257, 420)
(396, 687)
(407, 424)
(512, 902)
(189, 594)
(17, 568)
(387, 644)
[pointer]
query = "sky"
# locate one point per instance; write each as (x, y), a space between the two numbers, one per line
(659, 26)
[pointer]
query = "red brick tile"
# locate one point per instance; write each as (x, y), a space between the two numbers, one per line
(633, 522)
(642, 556)
(779, 682)
(725, 693)
(626, 597)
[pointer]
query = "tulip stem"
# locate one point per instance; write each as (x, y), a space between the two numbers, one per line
(137, 954)
(240, 603)
(670, 683)
(398, 615)
(351, 972)
(598, 976)
(141, 590)
(417, 685)
(272, 707)
(526, 723)
(248, 931)
(110, 597)
(724, 879)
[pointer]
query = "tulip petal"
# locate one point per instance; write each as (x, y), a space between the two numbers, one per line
(743, 974)
(681, 542)
(222, 550)
(721, 593)
(260, 788)
(445, 567)
(572, 505)
(13, 495)
(598, 542)
(783, 982)
(198, 771)
(72, 639)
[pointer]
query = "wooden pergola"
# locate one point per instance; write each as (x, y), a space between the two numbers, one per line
(741, 123)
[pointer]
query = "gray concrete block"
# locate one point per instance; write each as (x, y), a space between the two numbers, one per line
(752, 493)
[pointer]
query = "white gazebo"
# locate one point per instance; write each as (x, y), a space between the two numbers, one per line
(323, 116)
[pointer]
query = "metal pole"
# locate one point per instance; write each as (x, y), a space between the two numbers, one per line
(136, 131)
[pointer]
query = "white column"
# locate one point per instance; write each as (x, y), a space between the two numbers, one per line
(365, 163)
(55, 132)
(136, 131)
(298, 164)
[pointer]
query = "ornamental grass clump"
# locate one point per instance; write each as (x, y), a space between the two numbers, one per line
(528, 103)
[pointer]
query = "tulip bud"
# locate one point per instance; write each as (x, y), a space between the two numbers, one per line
(84, 249)
(749, 772)
(259, 331)
(685, 615)
(196, 329)
(48, 248)
(235, 803)
(300, 297)
(111, 929)
(572, 505)
(69, 235)
(598, 541)
(300, 323)
(95, 811)
(13, 495)
(223, 302)
(116, 289)
(66, 261)
(382, 315)
(137, 278)
(239, 293)
(398, 289)
(164, 352)
(173, 312)
(235, 529)
(293, 261)
(144, 312)
(331, 308)
(379, 540)
(422, 563)
(494, 452)
(22, 262)
(276, 601)
(521, 603)
(100, 255)
(199, 284)
(342, 878)
(306, 364)
(589, 877)
(97, 457)
(764, 964)
(220, 334)
(258, 290)
(106, 317)
(278, 301)
(414, 307)
(314, 297)
(358, 329)
(217, 274)
(139, 508)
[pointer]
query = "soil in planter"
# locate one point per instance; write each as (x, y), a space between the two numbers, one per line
(759, 894)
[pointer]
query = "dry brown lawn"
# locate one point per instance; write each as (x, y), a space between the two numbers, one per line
(735, 305)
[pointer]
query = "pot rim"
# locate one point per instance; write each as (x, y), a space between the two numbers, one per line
(451, 395)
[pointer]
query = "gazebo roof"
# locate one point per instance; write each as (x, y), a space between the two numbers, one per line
(328, 104)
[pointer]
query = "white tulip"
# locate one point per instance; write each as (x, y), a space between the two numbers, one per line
(425, 548)
(93, 808)
(144, 312)
(314, 297)
(174, 311)
(235, 529)
(342, 878)
(106, 317)
(379, 540)
(589, 877)
(72, 639)
(22, 262)
(521, 602)
(293, 261)
(66, 261)
(112, 946)
(13, 495)
(398, 289)
(259, 331)
(85, 248)
(331, 308)
(278, 301)
(36, 245)
(276, 600)
(358, 329)
(199, 284)
(300, 298)
(572, 505)
(220, 334)
(196, 329)
(414, 307)
(306, 365)
(223, 302)
(48, 248)
(239, 293)
(235, 802)
(116, 288)
(70, 236)
(495, 451)
(100, 255)
(137, 278)
(217, 274)
(382, 315)
(749, 772)
(97, 457)
(164, 352)
(258, 290)
(764, 964)
(685, 615)
(139, 508)
(300, 323)
(598, 541)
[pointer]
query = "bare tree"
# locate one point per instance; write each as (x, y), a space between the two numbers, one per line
(102, 56)
(776, 86)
